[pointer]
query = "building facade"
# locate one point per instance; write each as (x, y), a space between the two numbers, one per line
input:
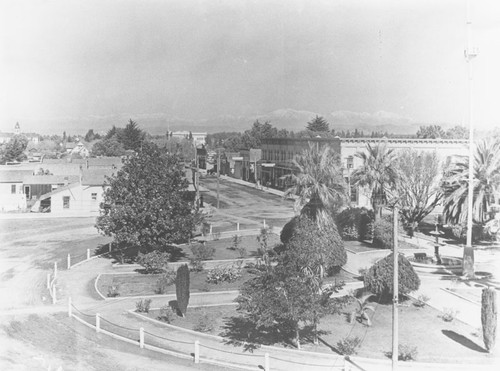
(278, 155)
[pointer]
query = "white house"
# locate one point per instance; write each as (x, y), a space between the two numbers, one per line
(12, 197)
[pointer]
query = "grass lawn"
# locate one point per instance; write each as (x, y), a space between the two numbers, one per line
(223, 247)
(145, 284)
(136, 284)
(423, 328)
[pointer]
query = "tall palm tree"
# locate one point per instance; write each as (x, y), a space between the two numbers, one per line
(486, 183)
(378, 173)
(318, 184)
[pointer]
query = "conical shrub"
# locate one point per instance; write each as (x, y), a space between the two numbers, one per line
(489, 317)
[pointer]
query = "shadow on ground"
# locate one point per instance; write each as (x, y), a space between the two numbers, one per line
(462, 340)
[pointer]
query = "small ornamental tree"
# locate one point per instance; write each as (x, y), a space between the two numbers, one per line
(383, 235)
(489, 317)
(154, 262)
(379, 278)
(182, 288)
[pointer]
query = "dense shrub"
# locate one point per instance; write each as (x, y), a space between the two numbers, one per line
(204, 324)
(166, 314)
(113, 291)
(182, 288)
(489, 317)
(324, 245)
(355, 224)
(154, 261)
(143, 305)
(379, 278)
(347, 346)
(407, 352)
(166, 279)
(383, 231)
(459, 231)
(223, 274)
(421, 301)
(200, 253)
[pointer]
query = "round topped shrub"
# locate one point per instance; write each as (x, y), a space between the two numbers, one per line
(379, 278)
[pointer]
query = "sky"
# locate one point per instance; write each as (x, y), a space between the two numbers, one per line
(66, 60)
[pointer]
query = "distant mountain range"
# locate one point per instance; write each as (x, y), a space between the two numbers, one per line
(160, 123)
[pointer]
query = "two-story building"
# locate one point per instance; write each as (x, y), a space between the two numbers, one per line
(278, 155)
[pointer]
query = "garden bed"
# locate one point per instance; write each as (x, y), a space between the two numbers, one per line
(137, 284)
(435, 340)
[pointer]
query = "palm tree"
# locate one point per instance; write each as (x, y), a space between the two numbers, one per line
(378, 173)
(318, 184)
(486, 183)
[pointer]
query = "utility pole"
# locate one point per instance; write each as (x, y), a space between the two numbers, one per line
(395, 298)
(470, 54)
(218, 175)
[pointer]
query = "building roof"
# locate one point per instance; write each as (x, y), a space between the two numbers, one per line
(58, 190)
(14, 176)
(51, 179)
(96, 176)
(105, 162)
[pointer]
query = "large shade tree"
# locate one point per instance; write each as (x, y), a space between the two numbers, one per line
(318, 183)
(378, 173)
(486, 183)
(417, 190)
(146, 204)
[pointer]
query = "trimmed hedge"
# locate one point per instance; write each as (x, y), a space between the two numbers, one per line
(379, 278)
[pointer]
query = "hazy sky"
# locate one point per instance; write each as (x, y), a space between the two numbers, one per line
(199, 59)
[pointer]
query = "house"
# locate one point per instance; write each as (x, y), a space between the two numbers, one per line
(35, 186)
(81, 197)
(77, 149)
(12, 197)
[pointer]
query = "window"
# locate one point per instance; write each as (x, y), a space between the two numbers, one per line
(13, 189)
(66, 202)
(354, 193)
(350, 162)
(94, 196)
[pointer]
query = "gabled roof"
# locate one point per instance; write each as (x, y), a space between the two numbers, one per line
(58, 190)
(14, 176)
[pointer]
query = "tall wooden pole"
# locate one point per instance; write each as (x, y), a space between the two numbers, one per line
(470, 53)
(218, 176)
(395, 298)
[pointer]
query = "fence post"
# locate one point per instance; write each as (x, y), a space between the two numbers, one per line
(266, 362)
(69, 261)
(210, 228)
(97, 322)
(141, 337)
(196, 351)
(69, 307)
(88, 254)
(110, 246)
(264, 223)
(237, 226)
(54, 291)
(55, 269)
(48, 281)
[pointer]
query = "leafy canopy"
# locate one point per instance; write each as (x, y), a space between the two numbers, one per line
(146, 203)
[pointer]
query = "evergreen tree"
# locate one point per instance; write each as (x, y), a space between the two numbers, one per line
(14, 150)
(132, 137)
(318, 124)
(182, 288)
